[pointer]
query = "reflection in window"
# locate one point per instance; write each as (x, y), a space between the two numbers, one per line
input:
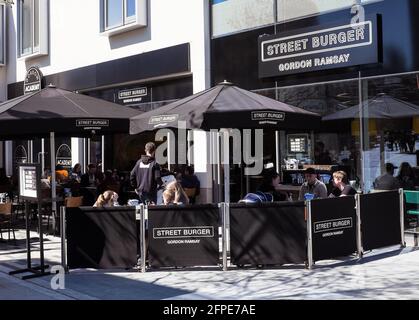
(292, 9)
(234, 15)
(119, 12)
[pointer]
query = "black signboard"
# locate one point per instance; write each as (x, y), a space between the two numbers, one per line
(183, 235)
(268, 233)
(322, 47)
(333, 227)
(33, 80)
(101, 238)
(92, 124)
(380, 219)
(133, 95)
(29, 181)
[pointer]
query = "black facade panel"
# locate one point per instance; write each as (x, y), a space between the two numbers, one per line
(158, 63)
(235, 57)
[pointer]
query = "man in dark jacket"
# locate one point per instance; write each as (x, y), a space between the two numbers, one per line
(145, 177)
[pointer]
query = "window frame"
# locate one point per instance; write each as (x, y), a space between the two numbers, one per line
(138, 20)
(42, 26)
(3, 11)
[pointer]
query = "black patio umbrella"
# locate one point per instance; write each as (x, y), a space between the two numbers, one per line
(381, 106)
(52, 111)
(62, 112)
(226, 106)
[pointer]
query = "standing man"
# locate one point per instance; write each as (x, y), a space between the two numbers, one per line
(145, 177)
(312, 185)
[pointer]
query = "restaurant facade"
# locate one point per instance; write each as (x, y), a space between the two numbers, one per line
(322, 56)
(353, 62)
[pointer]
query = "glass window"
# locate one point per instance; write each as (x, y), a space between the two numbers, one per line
(130, 8)
(292, 9)
(391, 126)
(114, 16)
(234, 15)
(26, 26)
(119, 12)
(2, 33)
(33, 27)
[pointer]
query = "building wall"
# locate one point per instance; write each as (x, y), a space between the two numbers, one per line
(75, 40)
(400, 36)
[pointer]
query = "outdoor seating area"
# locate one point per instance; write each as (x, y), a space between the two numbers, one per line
(224, 235)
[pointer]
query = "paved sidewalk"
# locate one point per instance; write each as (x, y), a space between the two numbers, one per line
(389, 273)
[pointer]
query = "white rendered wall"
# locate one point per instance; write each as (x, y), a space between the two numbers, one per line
(75, 40)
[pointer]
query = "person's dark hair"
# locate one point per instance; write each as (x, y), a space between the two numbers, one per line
(150, 147)
(189, 169)
(77, 167)
(405, 170)
(91, 166)
(268, 176)
(59, 167)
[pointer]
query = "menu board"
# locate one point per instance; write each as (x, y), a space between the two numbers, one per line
(297, 143)
(29, 181)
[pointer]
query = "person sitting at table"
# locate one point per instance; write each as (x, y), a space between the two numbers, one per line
(61, 174)
(341, 186)
(174, 194)
(190, 180)
(108, 183)
(89, 179)
(267, 191)
(107, 199)
(76, 172)
(312, 185)
(387, 181)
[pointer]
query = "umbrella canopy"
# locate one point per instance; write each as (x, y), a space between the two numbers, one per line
(63, 112)
(381, 106)
(225, 106)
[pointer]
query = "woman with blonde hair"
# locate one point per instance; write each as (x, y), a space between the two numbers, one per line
(174, 193)
(107, 199)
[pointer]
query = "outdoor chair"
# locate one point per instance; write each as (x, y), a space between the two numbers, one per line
(6, 219)
(73, 202)
(412, 210)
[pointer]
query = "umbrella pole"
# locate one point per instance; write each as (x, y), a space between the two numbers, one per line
(53, 178)
(226, 156)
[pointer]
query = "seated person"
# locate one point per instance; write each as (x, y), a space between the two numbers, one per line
(406, 177)
(312, 185)
(267, 190)
(107, 199)
(341, 186)
(174, 194)
(190, 180)
(270, 183)
(166, 177)
(108, 183)
(387, 181)
(61, 174)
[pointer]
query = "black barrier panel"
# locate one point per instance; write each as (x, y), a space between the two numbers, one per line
(268, 233)
(101, 238)
(184, 235)
(333, 227)
(380, 219)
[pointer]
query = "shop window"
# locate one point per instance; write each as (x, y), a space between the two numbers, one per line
(32, 28)
(230, 16)
(295, 9)
(119, 16)
(2, 34)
